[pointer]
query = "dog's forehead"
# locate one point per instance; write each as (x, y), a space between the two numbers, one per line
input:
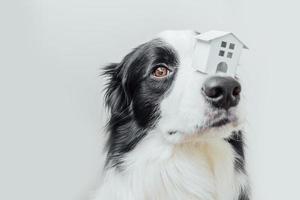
(182, 41)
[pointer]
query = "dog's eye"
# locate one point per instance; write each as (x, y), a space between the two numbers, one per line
(161, 71)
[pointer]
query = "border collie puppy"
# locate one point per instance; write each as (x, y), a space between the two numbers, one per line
(173, 133)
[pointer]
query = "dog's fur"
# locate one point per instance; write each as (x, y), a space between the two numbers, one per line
(165, 141)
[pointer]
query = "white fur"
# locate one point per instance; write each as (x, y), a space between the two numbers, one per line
(192, 164)
(160, 170)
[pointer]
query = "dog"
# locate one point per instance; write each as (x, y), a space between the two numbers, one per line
(173, 133)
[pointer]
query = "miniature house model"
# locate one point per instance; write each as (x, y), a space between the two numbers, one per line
(217, 52)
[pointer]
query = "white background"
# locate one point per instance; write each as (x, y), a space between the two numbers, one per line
(50, 56)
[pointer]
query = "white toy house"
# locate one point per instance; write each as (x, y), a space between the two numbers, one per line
(217, 52)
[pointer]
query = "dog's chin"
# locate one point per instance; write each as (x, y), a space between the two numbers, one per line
(218, 124)
(222, 119)
(214, 118)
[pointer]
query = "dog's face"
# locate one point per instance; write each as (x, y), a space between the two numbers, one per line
(196, 104)
(155, 88)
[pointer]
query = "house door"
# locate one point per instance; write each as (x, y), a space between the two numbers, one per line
(222, 67)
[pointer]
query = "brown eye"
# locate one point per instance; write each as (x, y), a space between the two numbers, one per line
(161, 71)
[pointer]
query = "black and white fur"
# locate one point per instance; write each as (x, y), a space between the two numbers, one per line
(165, 141)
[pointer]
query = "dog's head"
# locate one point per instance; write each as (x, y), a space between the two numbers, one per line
(155, 89)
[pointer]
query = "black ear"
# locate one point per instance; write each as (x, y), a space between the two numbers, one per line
(115, 95)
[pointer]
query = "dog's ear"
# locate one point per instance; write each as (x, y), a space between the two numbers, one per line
(115, 95)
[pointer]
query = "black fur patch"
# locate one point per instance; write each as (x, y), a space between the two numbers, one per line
(243, 195)
(237, 143)
(133, 96)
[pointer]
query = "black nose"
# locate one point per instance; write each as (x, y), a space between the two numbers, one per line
(222, 92)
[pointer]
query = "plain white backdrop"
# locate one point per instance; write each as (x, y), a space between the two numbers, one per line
(50, 56)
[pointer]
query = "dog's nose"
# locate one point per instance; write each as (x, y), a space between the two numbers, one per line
(222, 92)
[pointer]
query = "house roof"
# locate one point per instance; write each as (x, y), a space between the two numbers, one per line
(211, 35)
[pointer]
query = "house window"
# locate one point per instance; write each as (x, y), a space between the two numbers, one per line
(223, 44)
(221, 53)
(229, 55)
(231, 46)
